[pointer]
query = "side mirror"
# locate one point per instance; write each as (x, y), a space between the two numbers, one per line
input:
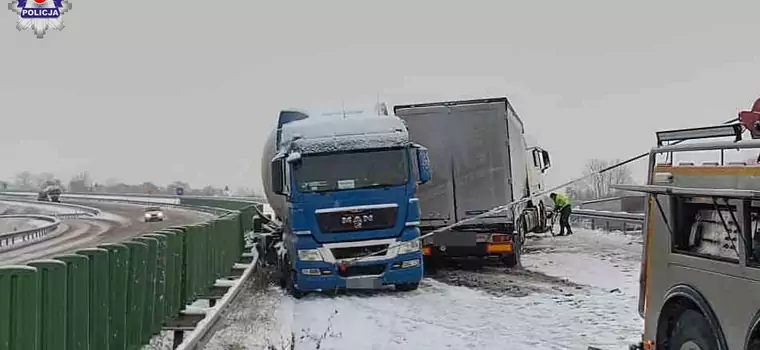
(547, 160)
(423, 164)
(278, 175)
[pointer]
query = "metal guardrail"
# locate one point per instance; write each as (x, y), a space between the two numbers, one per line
(609, 219)
(10, 240)
(634, 218)
(78, 210)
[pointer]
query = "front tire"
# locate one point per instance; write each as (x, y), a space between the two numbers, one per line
(289, 276)
(693, 332)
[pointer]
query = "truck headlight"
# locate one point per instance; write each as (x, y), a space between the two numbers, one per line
(147, 215)
(160, 214)
(309, 255)
(409, 246)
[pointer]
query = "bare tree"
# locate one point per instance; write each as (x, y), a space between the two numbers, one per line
(80, 182)
(210, 191)
(149, 187)
(244, 192)
(25, 180)
(600, 185)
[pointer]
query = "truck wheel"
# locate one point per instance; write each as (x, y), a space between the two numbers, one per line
(510, 260)
(754, 344)
(522, 231)
(693, 332)
(431, 264)
(290, 284)
(543, 221)
(407, 287)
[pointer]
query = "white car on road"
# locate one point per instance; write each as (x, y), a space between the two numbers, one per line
(154, 214)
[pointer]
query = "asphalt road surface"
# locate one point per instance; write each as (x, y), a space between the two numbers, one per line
(118, 222)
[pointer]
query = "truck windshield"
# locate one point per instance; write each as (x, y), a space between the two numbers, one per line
(346, 171)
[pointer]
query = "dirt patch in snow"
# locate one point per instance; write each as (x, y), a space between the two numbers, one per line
(501, 281)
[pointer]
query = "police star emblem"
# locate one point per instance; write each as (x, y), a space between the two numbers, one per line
(40, 15)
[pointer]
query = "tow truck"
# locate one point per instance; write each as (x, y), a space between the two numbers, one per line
(700, 266)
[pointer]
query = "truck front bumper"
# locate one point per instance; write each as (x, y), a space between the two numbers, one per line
(313, 276)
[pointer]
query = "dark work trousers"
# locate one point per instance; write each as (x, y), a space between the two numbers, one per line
(564, 220)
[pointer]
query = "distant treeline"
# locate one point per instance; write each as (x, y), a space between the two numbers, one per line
(82, 182)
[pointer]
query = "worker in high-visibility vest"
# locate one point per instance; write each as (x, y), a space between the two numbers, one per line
(562, 206)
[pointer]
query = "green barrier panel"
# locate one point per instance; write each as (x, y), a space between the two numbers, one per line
(215, 253)
(173, 278)
(19, 313)
(138, 253)
(99, 293)
(233, 241)
(208, 252)
(149, 300)
(223, 231)
(204, 260)
(52, 281)
(179, 297)
(118, 271)
(78, 301)
(158, 310)
(190, 277)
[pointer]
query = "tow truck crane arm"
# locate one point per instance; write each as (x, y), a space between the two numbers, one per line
(751, 119)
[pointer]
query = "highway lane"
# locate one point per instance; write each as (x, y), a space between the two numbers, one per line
(118, 222)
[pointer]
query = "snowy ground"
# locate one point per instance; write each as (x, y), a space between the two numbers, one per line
(10, 207)
(575, 292)
(13, 225)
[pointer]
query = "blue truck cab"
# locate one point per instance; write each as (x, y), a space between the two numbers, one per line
(349, 216)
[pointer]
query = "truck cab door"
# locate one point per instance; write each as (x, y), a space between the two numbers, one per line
(535, 171)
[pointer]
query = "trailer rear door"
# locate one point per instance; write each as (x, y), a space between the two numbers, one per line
(469, 154)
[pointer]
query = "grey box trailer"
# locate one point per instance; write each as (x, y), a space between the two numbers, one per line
(480, 157)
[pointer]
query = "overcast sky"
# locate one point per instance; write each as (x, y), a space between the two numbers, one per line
(162, 91)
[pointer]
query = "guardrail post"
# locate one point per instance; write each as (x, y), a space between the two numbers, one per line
(99, 294)
(52, 281)
(19, 321)
(118, 270)
(78, 301)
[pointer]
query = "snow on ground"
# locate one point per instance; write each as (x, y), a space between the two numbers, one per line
(13, 225)
(575, 292)
(11, 207)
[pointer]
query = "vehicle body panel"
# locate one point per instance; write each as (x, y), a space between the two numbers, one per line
(478, 150)
(729, 289)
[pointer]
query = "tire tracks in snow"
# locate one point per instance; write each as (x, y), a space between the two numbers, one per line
(78, 233)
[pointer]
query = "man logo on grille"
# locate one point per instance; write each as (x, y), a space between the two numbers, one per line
(357, 221)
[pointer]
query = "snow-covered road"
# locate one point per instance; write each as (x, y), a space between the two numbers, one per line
(575, 292)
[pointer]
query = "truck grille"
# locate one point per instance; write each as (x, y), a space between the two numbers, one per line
(362, 270)
(357, 220)
(354, 252)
